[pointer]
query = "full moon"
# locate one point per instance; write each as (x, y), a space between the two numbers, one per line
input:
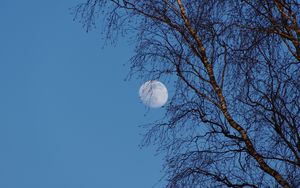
(153, 94)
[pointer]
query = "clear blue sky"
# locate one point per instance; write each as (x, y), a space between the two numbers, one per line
(67, 118)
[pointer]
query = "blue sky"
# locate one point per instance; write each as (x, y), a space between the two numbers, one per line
(67, 118)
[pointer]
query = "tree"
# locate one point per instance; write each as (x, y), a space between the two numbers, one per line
(235, 118)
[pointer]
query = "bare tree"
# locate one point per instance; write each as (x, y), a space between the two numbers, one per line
(235, 118)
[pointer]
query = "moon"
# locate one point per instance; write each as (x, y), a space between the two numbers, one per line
(153, 94)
